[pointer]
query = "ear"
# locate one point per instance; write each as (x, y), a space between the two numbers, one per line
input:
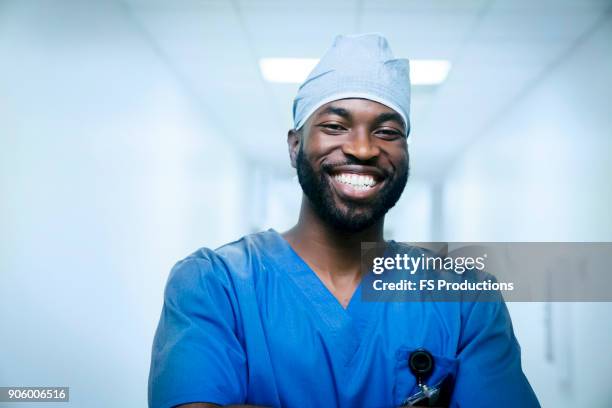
(294, 138)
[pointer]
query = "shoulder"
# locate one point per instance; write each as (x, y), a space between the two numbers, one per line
(238, 260)
(407, 248)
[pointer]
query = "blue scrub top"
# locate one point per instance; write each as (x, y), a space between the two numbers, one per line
(251, 323)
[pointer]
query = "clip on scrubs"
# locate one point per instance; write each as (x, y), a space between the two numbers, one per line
(421, 364)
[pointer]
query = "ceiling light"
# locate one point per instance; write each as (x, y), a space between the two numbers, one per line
(295, 70)
(428, 72)
(286, 70)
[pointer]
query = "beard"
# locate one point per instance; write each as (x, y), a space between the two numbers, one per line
(354, 217)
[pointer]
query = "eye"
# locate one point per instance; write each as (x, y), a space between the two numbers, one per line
(388, 134)
(333, 127)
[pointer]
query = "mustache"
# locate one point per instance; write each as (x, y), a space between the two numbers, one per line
(329, 167)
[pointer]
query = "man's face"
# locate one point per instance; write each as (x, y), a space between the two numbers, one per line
(352, 162)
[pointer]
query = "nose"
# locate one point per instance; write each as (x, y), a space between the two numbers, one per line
(361, 145)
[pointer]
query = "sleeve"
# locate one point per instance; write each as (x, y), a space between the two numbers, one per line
(490, 373)
(196, 355)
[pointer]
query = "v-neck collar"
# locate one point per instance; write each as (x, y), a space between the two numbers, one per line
(348, 325)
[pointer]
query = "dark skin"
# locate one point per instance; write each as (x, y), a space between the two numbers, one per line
(361, 129)
(371, 133)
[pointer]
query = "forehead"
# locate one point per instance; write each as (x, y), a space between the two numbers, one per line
(355, 107)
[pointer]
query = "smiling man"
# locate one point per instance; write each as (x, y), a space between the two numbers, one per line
(277, 320)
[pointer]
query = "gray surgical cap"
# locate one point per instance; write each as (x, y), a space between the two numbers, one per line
(356, 66)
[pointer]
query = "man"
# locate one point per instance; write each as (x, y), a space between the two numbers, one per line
(278, 320)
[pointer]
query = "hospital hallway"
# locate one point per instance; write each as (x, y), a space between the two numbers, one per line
(133, 132)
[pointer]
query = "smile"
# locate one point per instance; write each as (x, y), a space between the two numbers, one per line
(357, 181)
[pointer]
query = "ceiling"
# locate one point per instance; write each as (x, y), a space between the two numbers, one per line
(498, 49)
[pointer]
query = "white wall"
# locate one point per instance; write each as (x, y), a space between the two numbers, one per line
(109, 174)
(543, 174)
(411, 218)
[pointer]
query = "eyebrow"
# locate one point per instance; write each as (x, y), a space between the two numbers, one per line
(390, 116)
(335, 110)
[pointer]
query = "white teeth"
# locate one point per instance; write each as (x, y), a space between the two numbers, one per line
(360, 182)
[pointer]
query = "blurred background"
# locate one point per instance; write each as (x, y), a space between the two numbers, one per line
(134, 132)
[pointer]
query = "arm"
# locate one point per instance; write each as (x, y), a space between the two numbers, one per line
(207, 405)
(490, 372)
(197, 355)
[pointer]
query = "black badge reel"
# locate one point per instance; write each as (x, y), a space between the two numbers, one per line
(421, 364)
